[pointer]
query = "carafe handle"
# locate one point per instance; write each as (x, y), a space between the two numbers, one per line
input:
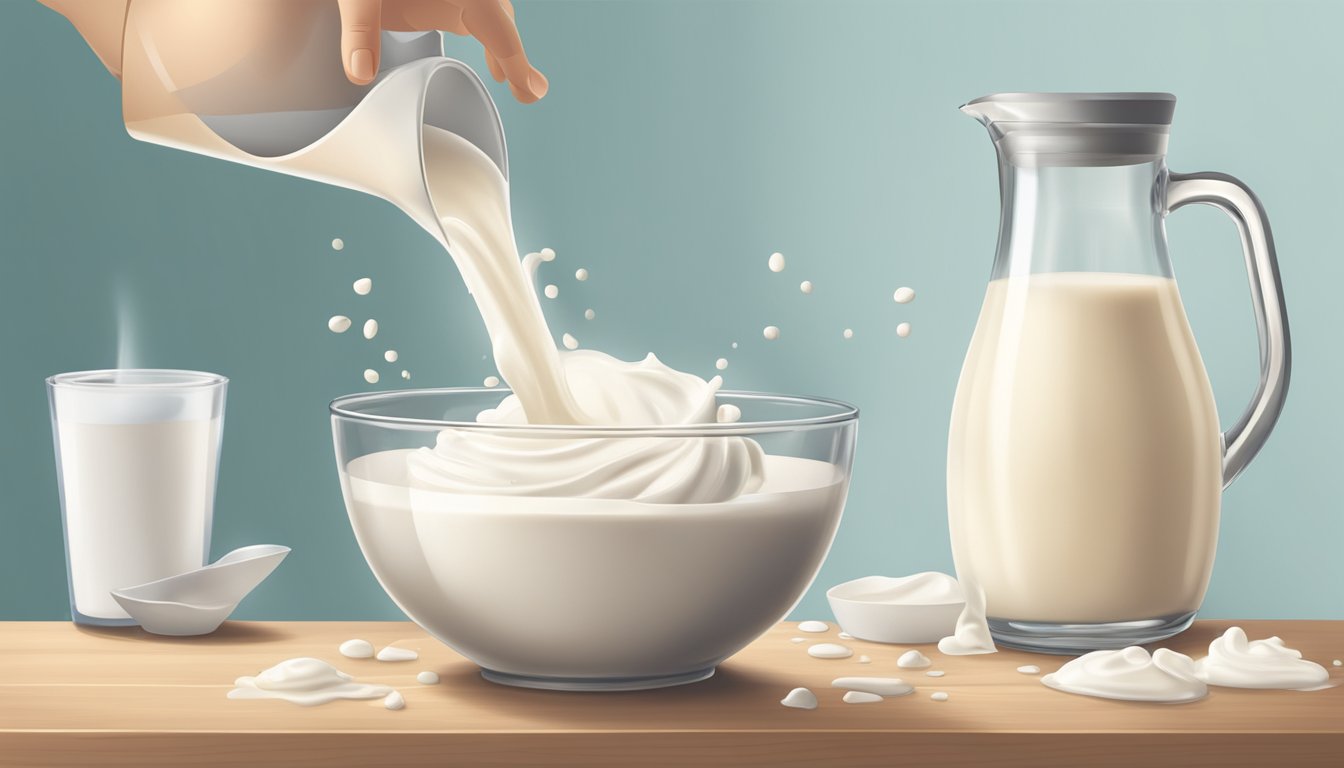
(1245, 438)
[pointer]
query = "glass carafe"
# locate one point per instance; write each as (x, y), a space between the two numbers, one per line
(1085, 459)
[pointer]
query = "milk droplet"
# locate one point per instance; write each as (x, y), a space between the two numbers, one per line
(776, 262)
(569, 341)
(903, 330)
(552, 291)
(338, 324)
(771, 333)
(734, 345)
(865, 660)
(390, 355)
(800, 698)
(797, 639)
(405, 374)
(589, 314)
(580, 274)
(394, 701)
(491, 381)
(813, 626)
(881, 686)
(721, 363)
(935, 673)
(903, 295)
(913, 660)
(393, 653)
(1338, 663)
(829, 651)
(547, 254)
(861, 697)
(1029, 669)
(849, 333)
(357, 649)
(363, 285)
(939, 696)
(370, 375)
(805, 286)
(728, 414)
(337, 244)
(427, 677)
(370, 328)
(845, 636)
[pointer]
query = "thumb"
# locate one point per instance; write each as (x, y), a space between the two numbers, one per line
(361, 27)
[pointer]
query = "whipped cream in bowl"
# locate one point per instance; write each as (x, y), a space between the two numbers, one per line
(637, 553)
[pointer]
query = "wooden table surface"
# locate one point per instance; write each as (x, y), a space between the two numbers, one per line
(73, 695)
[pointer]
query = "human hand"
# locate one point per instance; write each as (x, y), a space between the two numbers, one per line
(490, 21)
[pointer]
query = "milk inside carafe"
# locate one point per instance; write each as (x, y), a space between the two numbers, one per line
(1085, 459)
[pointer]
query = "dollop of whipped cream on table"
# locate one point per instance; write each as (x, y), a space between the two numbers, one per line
(609, 392)
(1131, 674)
(305, 681)
(1237, 662)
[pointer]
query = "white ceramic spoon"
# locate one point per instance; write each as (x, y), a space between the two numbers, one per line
(197, 602)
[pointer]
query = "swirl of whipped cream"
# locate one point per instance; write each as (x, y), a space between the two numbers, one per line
(1236, 662)
(1131, 674)
(610, 392)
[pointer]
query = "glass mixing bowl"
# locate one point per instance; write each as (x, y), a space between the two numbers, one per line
(576, 593)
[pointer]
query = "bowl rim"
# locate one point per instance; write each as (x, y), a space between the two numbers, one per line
(831, 595)
(844, 413)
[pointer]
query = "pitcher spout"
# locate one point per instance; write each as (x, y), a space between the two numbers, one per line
(1076, 129)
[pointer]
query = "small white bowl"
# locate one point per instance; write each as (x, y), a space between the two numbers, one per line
(869, 609)
(197, 602)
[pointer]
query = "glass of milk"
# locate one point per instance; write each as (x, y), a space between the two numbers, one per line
(136, 458)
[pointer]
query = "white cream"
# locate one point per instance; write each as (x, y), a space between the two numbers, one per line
(913, 659)
(903, 295)
(305, 681)
(337, 244)
(356, 649)
(1029, 669)
(728, 414)
(882, 686)
(800, 698)
(363, 286)
(865, 660)
(338, 324)
(552, 291)
(491, 381)
(805, 286)
(721, 363)
(1131, 674)
(972, 635)
(813, 626)
(775, 262)
(390, 355)
(903, 330)
(829, 651)
(939, 696)
(427, 678)
(581, 274)
(394, 701)
(1236, 662)
(770, 333)
(797, 640)
(569, 341)
(370, 328)
(935, 673)
(845, 636)
(861, 697)
(370, 375)
(393, 653)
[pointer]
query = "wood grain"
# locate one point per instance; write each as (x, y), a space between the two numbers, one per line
(72, 695)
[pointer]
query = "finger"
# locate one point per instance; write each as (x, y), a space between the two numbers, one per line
(361, 27)
(496, 71)
(490, 23)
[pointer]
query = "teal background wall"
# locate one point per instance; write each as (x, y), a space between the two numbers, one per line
(681, 143)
